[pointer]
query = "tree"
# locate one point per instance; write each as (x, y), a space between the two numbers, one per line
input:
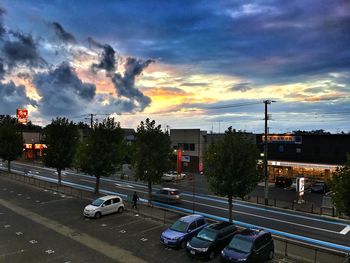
(231, 166)
(62, 138)
(11, 143)
(101, 153)
(152, 150)
(340, 185)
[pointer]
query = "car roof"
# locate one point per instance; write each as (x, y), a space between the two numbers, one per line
(191, 218)
(106, 197)
(169, 189)
(220, 226)
(252, 233)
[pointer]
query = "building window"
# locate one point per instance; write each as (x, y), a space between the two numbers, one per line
(180, 145)
(298, 150)
(192, 147)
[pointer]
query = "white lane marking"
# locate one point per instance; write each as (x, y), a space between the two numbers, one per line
(122, 231)
(49, 251)
(345, 230)
(265, 217)
(144, 239)
(33, 241)
(19, 233)
(125, 185)
(7, 226)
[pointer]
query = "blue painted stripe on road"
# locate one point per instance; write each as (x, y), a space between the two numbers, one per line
(237, 203)
(273, 231)
(239, 223)
(271, 210)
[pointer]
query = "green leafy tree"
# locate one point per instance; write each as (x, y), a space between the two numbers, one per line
(231, 166)
(151, 154)
(340, 185)
(11, 143)
(102, 152)
(62, 138)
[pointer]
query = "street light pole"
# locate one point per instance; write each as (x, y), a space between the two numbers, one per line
(266, 175)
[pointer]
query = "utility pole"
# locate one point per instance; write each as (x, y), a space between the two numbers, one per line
(266, 175)
(91, 120)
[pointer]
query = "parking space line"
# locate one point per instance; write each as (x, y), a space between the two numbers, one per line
(114, 252)
(126, 224)
(52, 201)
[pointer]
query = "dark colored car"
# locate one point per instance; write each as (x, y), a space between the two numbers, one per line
(251, 245)
(167, 195)
(320, 187)
(211, 240)
(283, 181)
(183, 230)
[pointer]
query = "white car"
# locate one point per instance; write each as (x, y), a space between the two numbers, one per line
(172, 176)
(104, 205)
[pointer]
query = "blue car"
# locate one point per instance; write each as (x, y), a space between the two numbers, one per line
(183, 230)
(250, 245)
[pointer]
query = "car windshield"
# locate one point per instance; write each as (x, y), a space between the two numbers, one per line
(241, 244)
(97, 202)
(179, 226)
(207, 235)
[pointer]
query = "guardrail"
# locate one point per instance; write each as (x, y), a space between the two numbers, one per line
(297, 250)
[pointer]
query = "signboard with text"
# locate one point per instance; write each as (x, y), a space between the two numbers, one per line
(22, 115)
(300, 186)
(289, 139)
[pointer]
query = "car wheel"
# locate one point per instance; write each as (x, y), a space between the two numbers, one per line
(271, 254)
(98, 215)
(183, 244)
(120, 210)
(212, 255)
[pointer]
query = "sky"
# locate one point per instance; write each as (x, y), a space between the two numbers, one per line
(185, 64)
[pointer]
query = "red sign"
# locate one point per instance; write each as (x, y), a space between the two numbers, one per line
(22, 115)
(179, 161)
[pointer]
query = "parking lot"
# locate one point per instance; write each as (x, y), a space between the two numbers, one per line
(38, 225)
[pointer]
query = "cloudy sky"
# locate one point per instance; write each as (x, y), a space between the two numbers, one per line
(186, 64)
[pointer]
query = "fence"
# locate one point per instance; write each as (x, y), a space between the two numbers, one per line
(306, 207)
(293, 249)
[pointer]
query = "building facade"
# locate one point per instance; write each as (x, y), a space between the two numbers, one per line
(314, 156)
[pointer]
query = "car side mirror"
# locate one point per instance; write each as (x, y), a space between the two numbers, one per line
(189, 231)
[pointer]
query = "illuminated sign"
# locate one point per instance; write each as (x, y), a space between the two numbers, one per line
(300, 186)
(39, 146)
(283, 139)
(29, 146)
(22, 115)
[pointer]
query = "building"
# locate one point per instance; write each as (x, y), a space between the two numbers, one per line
(311, 155)
(192, 143)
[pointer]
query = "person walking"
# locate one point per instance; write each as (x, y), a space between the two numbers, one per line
(135, 198)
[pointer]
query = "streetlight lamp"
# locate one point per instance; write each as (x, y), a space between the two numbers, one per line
(266, 176)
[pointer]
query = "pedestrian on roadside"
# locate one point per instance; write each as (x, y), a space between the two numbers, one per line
(135, 198)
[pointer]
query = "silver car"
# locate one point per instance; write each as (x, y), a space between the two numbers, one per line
(167, 195)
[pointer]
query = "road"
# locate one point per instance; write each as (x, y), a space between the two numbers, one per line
(318, 230)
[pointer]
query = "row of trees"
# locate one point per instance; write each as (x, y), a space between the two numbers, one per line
(230, 164)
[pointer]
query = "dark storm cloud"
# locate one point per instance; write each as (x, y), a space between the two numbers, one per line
(243, 87)
(62, 92)
(62, 34)
(125, 84)
(13, 97)
(107, 58)
(22, 51)
(2, 29)
(2, 70)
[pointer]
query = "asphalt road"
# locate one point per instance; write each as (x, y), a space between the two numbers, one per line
(310, 228)
(38, 225)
